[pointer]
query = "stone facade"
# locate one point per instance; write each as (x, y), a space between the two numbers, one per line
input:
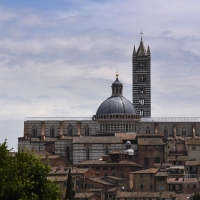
(144, 180)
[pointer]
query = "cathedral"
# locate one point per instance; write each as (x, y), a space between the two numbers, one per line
(116, 122)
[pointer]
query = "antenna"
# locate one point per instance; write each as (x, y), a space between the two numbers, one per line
(141, 34)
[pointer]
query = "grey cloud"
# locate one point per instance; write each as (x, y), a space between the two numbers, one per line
(71, 60)
(42, 97)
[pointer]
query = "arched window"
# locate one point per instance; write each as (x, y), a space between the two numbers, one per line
(88, 154)
(165, 132)
(34, 132)
(87, 131)
(126, 127)
(52, 132)
(147, 129)
(106, 150)
(70, 130)
(68, 153)
(184, 132)
(141, 112)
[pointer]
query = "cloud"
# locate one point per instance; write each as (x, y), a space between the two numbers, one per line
(61, 61)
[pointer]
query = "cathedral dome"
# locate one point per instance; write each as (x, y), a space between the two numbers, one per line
(117, 103)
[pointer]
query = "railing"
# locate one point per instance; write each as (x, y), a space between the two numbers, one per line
(171, 119)
(57, 118)
(191, 175)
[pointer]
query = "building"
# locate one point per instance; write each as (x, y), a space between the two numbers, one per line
(115, 164)
(142, 80)
(71, 137)
(144, 180)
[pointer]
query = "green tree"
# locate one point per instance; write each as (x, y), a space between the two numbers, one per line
(196, 196)
(69, 190)
(24, 176)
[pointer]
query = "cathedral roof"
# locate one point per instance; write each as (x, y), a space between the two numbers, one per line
(141, 49)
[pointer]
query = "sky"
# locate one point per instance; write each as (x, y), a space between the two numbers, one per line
(58, 58)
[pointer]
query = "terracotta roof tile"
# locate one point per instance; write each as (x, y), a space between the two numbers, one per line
(146, 171)
(99, 180)
(83, 195)
(183, 196)
(103, 162)
(192, 141)
(115, 178)
(97, 140)
(126, 136)
(146, 194)
(192, 163)
(150, 141)
(162, 174)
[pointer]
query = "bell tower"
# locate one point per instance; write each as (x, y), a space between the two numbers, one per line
(141, 78)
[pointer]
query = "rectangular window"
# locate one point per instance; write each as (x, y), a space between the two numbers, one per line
(194, 186)
(97, 168)
(105, 168)
(160, 187)
(194, 148)
(112, 168)
(157, 160)
(151, 187)
(141, 78)
(141, 186)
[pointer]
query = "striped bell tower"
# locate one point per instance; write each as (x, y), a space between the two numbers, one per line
(141, 79)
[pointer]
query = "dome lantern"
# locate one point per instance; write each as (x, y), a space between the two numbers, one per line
(116, 103)
(117, 87)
